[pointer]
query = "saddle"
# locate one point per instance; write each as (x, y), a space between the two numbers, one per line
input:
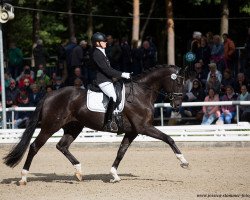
(97, 101)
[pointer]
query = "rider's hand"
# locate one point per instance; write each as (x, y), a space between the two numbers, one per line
(126, 75)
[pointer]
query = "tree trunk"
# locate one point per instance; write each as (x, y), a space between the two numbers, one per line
(170, 32)
(70, 20)
(224, 17)
(35, 30)
(146, 23)
(136, 20)
(89, 20)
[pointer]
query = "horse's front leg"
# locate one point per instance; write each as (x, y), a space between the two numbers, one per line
(157, 134)
(127, 140)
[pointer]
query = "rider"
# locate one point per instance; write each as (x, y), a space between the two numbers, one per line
(104, 75)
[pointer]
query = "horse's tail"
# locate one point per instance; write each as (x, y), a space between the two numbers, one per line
(16, 154)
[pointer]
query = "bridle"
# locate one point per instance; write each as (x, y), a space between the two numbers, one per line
(170, 95)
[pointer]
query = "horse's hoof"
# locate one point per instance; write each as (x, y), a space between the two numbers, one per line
(78, 176)
(117, 180)
(22, 183)
(184, 165)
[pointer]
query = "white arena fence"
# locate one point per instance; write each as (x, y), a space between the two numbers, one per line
(188, 133)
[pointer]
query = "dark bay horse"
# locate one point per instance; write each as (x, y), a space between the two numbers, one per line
(66, 109)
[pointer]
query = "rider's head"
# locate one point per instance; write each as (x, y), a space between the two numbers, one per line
(99, 40)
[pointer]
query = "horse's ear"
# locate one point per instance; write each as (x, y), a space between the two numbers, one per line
(184, 71)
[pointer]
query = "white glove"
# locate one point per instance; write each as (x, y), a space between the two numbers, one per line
(126, 75)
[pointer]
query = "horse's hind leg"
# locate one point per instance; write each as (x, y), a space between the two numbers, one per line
(157, 134)
(71, 131)
(127, 140)
(33, 150)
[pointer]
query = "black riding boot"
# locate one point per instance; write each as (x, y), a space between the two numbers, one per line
(110, 124)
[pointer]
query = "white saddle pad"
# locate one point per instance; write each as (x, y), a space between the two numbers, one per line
(98, 102)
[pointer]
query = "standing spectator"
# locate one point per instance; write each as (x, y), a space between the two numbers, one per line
(113, 52)
(77, 55)
(61, 57)
(228, 112)
(69, 49)
(126, 58)
(217, 53)
(41, 55)
(136, 58)
(211, 113)
(244, 110)
(229, 52)
(148, 55)
(247, 48)
(209, 36)
(15, 60)
(204, 53)
(195, 43)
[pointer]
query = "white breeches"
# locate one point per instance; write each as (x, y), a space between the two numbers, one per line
(108, 89)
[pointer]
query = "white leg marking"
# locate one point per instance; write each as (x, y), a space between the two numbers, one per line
(116, 178)
(78, 172)
(24, 174)
(184, 162)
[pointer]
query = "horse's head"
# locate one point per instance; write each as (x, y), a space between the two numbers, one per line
(173, 85)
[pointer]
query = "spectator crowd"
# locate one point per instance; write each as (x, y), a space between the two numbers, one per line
(214, 75)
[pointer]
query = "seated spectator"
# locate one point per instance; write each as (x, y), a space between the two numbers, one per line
(26, 67)
(227, 80)
(241, 80)
(22, 117)
(49, 89)
(26, 75)
(11, 94)
(244, 110)
(42, 76)
(36, 95)
(211, 113)
(26, 86)
(214, 83)
(213, 70)
(78, 83)
(77, 74)
(201, 73)
(189, 82)
(196, 94)
(58, 83)
(7, 79)
(228, 112)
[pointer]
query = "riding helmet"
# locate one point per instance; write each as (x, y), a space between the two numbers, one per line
(98, 37)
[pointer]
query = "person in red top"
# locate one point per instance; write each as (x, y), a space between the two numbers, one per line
(25, 77)
(229, 51)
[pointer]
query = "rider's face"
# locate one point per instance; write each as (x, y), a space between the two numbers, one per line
(103, 44)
